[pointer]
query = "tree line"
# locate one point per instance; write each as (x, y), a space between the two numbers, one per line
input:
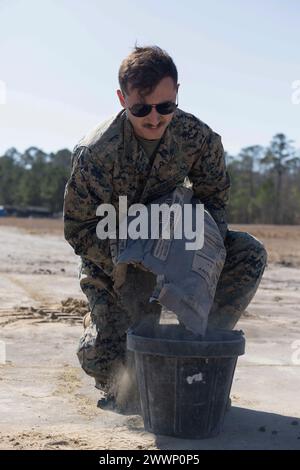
(265, 181)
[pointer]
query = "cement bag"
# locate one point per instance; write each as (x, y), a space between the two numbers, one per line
(186, 279)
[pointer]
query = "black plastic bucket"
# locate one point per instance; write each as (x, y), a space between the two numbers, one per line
(184, 382)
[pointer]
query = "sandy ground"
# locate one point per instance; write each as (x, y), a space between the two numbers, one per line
(46, 400)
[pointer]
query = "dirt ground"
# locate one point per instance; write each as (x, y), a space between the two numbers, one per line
(46, 400)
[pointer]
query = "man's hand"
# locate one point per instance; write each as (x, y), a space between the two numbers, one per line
(120, 272)
(119, 275)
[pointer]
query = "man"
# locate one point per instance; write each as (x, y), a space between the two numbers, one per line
(145, 151)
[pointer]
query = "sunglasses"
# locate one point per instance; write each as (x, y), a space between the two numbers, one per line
(142, 110)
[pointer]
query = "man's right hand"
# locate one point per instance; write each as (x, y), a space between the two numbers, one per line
(119, 275)
(120, 272)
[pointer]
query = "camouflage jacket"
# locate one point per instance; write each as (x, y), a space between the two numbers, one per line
(110, 162)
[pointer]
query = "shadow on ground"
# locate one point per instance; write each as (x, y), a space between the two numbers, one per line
(245, 429)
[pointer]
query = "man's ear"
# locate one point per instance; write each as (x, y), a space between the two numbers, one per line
(121, 98)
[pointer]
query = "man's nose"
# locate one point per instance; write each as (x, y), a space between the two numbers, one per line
(153, 117)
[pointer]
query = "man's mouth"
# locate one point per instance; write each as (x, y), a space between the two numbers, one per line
(152, 127)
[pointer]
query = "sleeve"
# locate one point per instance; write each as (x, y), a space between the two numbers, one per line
(88, 187)
(211, 182)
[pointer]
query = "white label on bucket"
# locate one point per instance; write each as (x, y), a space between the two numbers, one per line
(195, 378)
(2, 352)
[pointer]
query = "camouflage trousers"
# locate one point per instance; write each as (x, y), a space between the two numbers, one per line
(102, 347)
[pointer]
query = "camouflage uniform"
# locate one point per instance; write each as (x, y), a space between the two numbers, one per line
(110, 162)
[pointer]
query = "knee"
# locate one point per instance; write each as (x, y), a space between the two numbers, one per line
(258, 250)
(247, 246)
(264, 255)
(257, 257)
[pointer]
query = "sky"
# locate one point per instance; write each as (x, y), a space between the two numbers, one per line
(237, 62)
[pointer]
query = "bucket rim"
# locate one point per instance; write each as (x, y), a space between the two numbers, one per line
(234, 346)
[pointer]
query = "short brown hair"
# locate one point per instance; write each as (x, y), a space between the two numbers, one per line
(144, 68)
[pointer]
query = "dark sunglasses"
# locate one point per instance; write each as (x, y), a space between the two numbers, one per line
(142, 110)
